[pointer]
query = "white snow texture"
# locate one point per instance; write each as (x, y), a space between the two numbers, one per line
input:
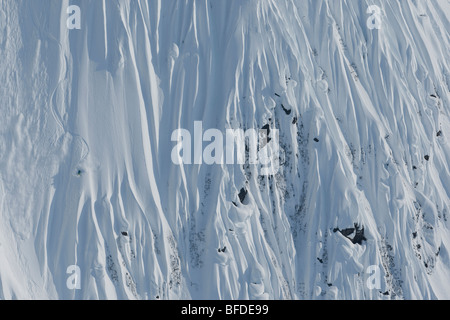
(87, 180)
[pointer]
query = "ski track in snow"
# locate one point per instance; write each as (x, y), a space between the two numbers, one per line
(86, 176)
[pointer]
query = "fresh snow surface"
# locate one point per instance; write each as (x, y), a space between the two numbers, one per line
(87, 180)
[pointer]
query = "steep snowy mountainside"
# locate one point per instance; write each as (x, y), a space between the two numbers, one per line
(86, 138)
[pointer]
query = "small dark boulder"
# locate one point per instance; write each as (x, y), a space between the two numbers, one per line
(124, 233)
(265, 134)
(427, 157)
(359, 237)
(242, 194)
(359, 234)
(316, 139)
(288, 112)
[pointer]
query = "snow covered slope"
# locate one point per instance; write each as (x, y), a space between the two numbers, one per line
(86, 177)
